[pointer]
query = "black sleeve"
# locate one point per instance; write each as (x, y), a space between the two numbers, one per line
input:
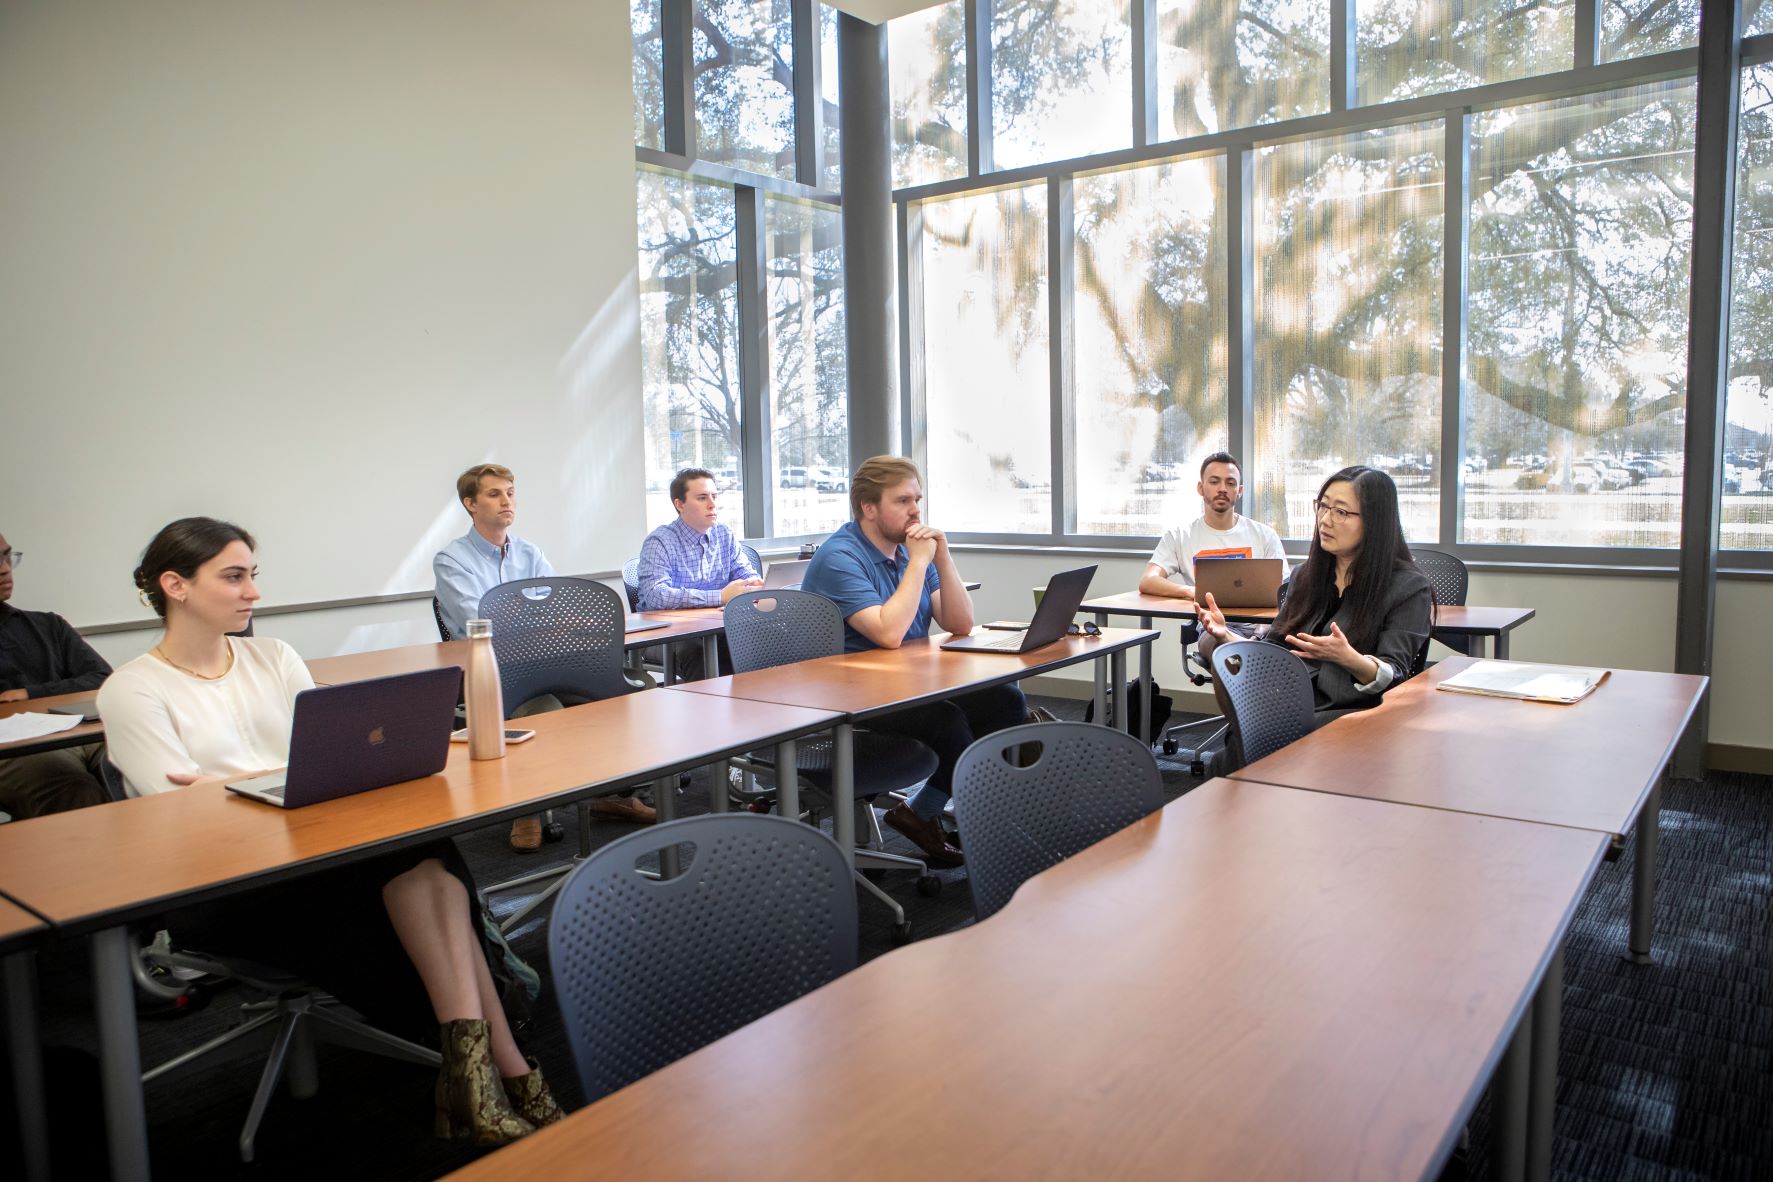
(82, 667)
(1406, 624)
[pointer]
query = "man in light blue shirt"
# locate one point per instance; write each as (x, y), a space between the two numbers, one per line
(889, 575)
(693, 561)
(487, 555)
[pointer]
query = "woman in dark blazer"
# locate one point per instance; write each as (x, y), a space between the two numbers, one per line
(1357, 610)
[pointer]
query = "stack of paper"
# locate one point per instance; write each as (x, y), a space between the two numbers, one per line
(35, 726)
(1528, 682)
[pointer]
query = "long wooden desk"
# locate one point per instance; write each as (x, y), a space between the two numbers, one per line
(868, 684)
(1597, 764)
(85, 732)
(1248, 984)
(227, 844)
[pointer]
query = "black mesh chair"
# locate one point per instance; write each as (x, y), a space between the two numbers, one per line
(1086, 783)
(283, 1017)
(631, 583)
(437, 614)
(1267, 695)
(1451, 583)
(647, 660)
(779, 627)
(647, 970)
(563, 637)
(750, 552)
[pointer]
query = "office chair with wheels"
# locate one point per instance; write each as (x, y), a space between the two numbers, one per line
(437, 614)
(555, 636)
(1086, 783)
(1267, 695)
(750, 552)
(647, 970)
(779, 627)
(1214, 729)
(1451, 583)
(284, 1017)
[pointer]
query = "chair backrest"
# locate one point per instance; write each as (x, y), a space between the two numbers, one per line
(631, 583)
(647, 970)
(112, 779)
(798, 626)
(1448, 576)
(437, 614)
(1087, 782)
(556, 636)
(1267, 693)
(750, 552)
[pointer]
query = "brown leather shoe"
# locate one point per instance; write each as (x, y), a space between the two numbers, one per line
(624, 808)
(925, 835)
(526, 834)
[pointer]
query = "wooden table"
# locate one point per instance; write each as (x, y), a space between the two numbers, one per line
(85, 732)
(228, 844)
(879, 681)
(19, 929)
(1248, 984)
(1594, 765)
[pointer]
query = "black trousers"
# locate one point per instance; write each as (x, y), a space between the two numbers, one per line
(948, 728)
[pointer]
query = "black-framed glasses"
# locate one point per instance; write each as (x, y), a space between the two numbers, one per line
(1087, 628)
(1336, 512)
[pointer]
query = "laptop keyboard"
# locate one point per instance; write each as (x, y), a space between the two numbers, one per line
(1012, 642)
(276, 791)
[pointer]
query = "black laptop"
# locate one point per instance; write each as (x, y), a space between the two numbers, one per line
(349, 738)
(1052, 619)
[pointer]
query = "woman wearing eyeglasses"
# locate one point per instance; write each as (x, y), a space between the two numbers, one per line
(1357, 610)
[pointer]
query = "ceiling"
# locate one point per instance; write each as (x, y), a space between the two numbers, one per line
(878, 11)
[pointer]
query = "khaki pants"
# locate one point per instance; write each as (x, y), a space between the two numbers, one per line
(52, 781)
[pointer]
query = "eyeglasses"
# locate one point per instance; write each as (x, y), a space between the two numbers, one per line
(1087, 628)
(1336, 513)
(11, 558)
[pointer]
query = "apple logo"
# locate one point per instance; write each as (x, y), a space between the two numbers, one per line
(376, 737)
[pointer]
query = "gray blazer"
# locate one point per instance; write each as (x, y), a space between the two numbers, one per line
(1409, 612)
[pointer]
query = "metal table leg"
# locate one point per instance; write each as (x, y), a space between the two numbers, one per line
(843, 789)
(27, 1063)
(120, 1055)
(1643, 878)
(787, 781)
(668, 659)
(665, 802)
(1542, 1088)
(1099, 693)
(1509, 1109)
(711, 655)
(1500, 646)
(1117, 675)
(1146, 689)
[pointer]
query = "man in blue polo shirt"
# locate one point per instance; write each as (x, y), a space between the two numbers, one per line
(889, 575)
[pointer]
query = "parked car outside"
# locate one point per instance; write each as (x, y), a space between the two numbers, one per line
(793, 477)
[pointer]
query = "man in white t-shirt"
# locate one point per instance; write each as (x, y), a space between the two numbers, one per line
(1219, 532)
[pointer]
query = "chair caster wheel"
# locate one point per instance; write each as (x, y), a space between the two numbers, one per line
(553, 831)
(761, 806)
(901, 934)
(1171, 746)
(929, 886)
(1198, 770)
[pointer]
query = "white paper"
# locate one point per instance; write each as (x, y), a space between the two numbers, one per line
(1526, 680)
(35, 726)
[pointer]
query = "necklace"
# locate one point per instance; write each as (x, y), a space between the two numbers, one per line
(160, 651)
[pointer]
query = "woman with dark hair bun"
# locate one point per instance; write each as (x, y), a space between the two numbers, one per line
(1357, 610)
(394, 935)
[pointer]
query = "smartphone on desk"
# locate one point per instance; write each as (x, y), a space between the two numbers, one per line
(461, 736)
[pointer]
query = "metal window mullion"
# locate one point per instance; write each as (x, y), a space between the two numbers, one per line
(1708, 352)
(1062, 370)
(755, 434)
(1239, 218)
(809, 111)
(1143, 16)
(677, 69)
(1586, 16)
(980, 153)
(1456, 169)
(1343, 95)
(914, 385)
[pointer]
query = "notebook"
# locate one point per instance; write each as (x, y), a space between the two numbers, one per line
(1528, 682)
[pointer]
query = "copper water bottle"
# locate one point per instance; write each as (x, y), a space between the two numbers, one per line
(486, 698)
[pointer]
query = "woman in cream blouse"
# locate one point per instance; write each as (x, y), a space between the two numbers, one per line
(395, 936)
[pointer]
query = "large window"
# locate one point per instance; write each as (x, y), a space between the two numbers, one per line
(831, 112)
(744, 71)
(1581, 228)
(1747, 522)
(649, 80)
(1151, 327)
(1061, 79)
(1632, 28)
(1239, 62)
(1348, 320)
(926, 58)
(809, 419)
(1412, 47)
(987, 379)
(689, 334)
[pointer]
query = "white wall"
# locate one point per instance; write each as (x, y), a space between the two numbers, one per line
(298, 265)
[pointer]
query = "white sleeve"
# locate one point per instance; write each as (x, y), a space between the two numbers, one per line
(141, 738)
(296, 677)
(1168, 556)
(1272, 548)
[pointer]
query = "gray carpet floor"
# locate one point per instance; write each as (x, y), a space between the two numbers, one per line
(1666, 1070)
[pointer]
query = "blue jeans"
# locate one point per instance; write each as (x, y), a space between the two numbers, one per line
(948, 728)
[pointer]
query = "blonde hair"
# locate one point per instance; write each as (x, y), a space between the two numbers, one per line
(875, 476)
(468, 483)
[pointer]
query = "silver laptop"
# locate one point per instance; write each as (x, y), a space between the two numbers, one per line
(786, 574)
(1052, 619)
(1238, 582)
(350, 738)
(634, 624)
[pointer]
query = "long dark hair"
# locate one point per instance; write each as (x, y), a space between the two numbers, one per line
(1382, 551)
(181, 548)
